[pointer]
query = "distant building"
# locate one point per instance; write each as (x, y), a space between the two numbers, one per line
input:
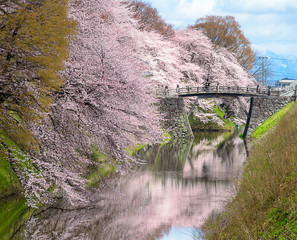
(285, 82)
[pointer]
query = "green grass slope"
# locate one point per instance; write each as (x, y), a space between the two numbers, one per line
(9, 182)
(271, 122)
(11, 216)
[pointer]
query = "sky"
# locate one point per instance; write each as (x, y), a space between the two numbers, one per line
(270, 25)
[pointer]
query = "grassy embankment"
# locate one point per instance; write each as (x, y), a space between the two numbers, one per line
(106, 167)
(265, 205)
(13, 213)
(271, 122)
(9, 183)
(7, 178)
(13, 209)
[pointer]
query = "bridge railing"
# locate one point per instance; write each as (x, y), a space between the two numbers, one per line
(218, 89)
(288, 89)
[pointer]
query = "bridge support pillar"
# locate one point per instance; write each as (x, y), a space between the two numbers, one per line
(249, 116)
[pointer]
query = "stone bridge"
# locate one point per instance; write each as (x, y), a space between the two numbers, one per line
(265, 101)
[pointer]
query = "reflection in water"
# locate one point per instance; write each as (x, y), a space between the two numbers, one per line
(181, 185)
(179, 233)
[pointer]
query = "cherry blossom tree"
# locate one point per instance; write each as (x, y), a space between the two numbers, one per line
(105, 82)
(108, 101)
(162, 58)
(106, 104)
(189, 58)
(219, 65)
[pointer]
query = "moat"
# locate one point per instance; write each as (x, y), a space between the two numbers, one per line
(170, 197)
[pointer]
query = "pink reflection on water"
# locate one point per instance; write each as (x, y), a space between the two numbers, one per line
(179, 188)
(186, 198)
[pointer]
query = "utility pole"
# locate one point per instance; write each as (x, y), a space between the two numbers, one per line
(263, 74)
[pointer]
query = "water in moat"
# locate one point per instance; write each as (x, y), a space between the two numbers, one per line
(168, 198)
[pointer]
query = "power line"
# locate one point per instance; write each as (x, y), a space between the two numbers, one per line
(284, 59)
(264, 78)
(284, 74)
(275, 71)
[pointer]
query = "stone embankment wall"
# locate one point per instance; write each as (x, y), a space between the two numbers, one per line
(264, 108)
(175, 118)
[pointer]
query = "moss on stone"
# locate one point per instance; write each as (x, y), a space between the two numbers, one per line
(12, 214)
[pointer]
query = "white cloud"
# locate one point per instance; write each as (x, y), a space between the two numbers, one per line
(269, 31)
(263, 5)
(177, 24)
(160, 4)
(193, 9)
(268, 24)
(281, 48)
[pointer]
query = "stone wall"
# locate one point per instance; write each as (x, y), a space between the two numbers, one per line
(175, 118)
(177, 123)
(264, 108)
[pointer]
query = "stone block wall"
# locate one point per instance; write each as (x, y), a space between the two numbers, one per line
(265, 107)
(175, 118)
